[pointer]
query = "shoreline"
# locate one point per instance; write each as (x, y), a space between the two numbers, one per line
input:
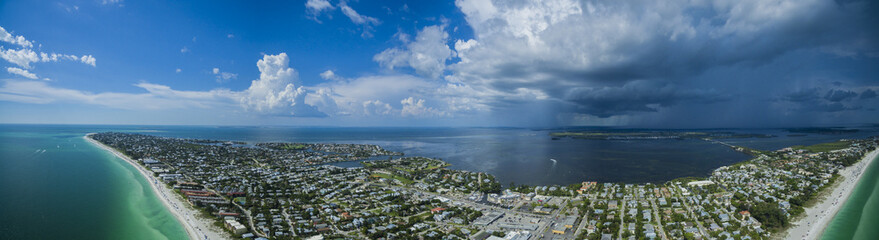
(819, 216)
(195, 226)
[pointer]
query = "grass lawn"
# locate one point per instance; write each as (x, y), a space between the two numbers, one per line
(401, 178)
(423, 215)
(294, 147)
(437, 165)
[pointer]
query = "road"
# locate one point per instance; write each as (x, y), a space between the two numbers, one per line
(289, 221)
(658, 219)
(698, 223)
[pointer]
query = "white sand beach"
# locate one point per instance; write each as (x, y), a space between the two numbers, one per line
(819, 216)
(196, 227)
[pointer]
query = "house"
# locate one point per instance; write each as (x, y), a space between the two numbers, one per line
(632, 212)
(745, 214)
(714, 227)
(723, 217)
(436, 210)
(784, 205)
(649, 231)
(441, 217)
(235, 226)
(586, 186)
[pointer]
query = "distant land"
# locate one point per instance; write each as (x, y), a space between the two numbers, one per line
(828, 130)
(646, 135)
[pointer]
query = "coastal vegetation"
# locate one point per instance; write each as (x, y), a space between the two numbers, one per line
(824, 147)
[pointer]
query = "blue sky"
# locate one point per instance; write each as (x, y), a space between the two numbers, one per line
(440, 63)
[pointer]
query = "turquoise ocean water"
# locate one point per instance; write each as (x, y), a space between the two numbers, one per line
(55, 185)
(859, 216)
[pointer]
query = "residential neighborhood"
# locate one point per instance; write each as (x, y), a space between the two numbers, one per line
(292, 191)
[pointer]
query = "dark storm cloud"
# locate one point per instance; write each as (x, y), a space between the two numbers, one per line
(839, 95)
(636, 96)
(610, 58)
(835, 100)
(830, 107)
(868, 94)
(807, 95)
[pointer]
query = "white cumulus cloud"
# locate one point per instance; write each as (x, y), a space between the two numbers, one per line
(17, 40)
(317, 6)
(275, 91)
(24, 56)
(55, 57)
(356, 17)
(112, 2)
(416, 108)
(223, 76)
(21, 72)
(376, 107)
(330, 75)
(461, 48)
(21, 57)
(365, 22)
(88, 59)
(427, 54)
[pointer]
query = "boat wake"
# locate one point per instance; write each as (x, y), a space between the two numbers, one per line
(38, 152)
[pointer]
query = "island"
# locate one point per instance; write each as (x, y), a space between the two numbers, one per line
(652, 135)
(236, 190)
(825, 131)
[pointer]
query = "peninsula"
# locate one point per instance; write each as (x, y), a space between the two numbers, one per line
(292, 191)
